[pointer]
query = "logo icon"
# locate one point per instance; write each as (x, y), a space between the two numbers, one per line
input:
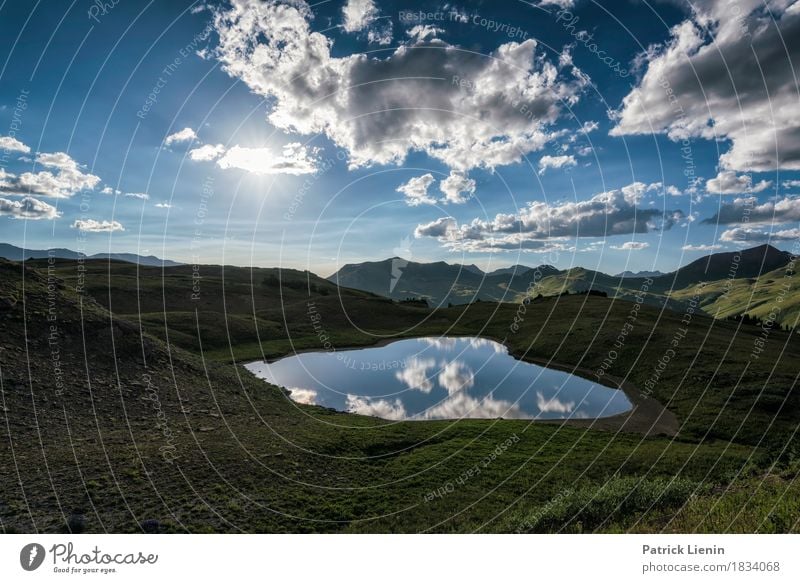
(31, 556)
(399, 261)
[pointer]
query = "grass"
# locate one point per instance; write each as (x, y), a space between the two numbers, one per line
(243, 457)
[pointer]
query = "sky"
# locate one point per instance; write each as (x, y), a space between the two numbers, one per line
(615, 136)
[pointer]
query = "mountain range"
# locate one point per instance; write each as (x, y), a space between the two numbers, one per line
(733, 283)
(14, 253)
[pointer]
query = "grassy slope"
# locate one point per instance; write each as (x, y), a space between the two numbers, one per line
(774, 292)
(250, 459)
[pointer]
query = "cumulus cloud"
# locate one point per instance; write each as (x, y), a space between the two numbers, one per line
(461, 405)
(382, 408)
(358, 14)
(295, 159)
(791, 184)
(555, 162)
(553, 404)
(547, 226)
(441, 227)
(10, 144)
(93, 226)
(724, 74)
(303, 396)
(64, 179)
(185, 135)
(416, 190)
(415, 374)
(631, 246)
(207, 152)
(747, 235)
(701, 247)
(139, 195)
(27, 208)
(456, 376)
(728, 182)
(465, 109)
(748, 210)
(108, 190)
(457, 188)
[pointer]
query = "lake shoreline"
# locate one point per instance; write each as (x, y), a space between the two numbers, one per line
(646, 417)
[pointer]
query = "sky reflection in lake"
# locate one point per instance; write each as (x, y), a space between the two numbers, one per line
(439, 378)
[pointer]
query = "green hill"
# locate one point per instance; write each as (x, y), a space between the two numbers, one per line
(143, 422)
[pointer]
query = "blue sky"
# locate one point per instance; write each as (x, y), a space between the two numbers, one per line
(313, 135)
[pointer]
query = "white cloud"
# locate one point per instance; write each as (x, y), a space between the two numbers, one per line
(27, 208)
(303, 396)
(553, 404)
(163, 205)
(701, 247)
(416, 190)
(207, 152)
(791, 183)
(631, 246)
(563, 4)
(108, 190)
(185, 135)
(457, 188)
(724, 74)
(295, 159)
(728, 182)
(547, 226)
(441, 227)
(456, 376)
(421, 32)
(382, 408)
(415, 374)
(11, 144)
(747, 235)
(93, 226)
(67, 179)
(139, 195)
(465, 109)
(358, 14)
(555, 162)
(747, 210)
(461, 405)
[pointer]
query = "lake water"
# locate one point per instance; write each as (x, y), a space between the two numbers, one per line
(439, 378)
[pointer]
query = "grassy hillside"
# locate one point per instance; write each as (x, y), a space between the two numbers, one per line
(772, 296)
(143, 427)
